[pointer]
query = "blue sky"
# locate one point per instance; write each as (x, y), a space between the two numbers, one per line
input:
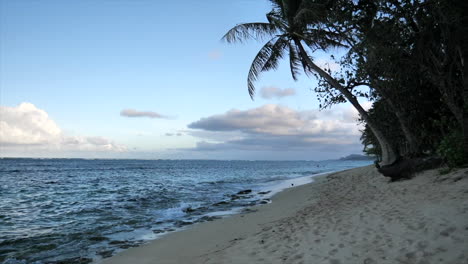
(69, 69)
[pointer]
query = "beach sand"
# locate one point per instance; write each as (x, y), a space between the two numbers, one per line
(354, 216)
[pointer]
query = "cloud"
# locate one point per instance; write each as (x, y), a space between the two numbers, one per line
(351, 115)
(215, 55)
(135, 113)
(277, 128)
(273, 120)
(27, 124)
(28, 128)
(275, 92)
(178, 134)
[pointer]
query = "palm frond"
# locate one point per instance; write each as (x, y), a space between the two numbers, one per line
(322, 39)
(294, 61)
(267, 58)
(257, 31)
(277, 52)
(278, 5)
(302, 59)
(312, 14)
(276, 19)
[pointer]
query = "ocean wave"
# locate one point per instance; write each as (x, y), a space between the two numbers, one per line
(75, 210)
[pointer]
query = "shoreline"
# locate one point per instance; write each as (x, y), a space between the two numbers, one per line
(270, 191)
(351, 216)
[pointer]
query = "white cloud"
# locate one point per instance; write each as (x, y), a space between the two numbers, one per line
(276, 128)
(275, 92)
(276, 120)
(351, 115)
(27, 124)
(28, 128)
(135, 113)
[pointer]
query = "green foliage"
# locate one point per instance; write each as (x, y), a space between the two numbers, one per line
(451, 149)
(405, 56)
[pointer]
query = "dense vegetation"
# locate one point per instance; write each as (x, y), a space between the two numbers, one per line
(407, 56)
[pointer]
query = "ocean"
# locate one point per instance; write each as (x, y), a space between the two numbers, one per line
(80, 211)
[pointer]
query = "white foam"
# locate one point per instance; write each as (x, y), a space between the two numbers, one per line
(278, 186)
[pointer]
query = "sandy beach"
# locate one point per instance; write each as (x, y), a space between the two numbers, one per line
(354, 216)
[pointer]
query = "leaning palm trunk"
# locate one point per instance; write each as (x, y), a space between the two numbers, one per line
(389, 155)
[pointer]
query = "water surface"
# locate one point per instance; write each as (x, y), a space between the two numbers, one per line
(74, 210)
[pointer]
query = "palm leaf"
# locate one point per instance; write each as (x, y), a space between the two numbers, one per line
(275, 18)
(278, 6)
(267, 58)
(277, 52)
(294, 61)
(257, 31)
(321, 39)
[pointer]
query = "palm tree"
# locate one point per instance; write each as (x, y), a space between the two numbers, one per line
(291, 25)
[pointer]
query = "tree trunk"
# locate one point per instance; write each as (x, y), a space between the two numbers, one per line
(465, 100)
(465, 111)
(389, 155)
(403, 121)
(449, 99)
(463, 6)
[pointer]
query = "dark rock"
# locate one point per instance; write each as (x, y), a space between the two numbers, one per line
(220, 203)
(129, 244)
(235, 197)
(77, 260)
(158, 231)
(265, 201)
(263, 193)
(208, 218)
(188, 210)
(244, 192)
(125, 246)
(105, 253)
(182, 223)
(248, 210)
(242, 196)
(118, 242)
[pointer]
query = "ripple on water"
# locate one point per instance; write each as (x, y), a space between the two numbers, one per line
(72, 210)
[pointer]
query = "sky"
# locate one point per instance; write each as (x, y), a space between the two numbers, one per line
(150, 79)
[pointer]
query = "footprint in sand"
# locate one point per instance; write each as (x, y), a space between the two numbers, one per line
(448, 231)
(369, 261)
(333, 252)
